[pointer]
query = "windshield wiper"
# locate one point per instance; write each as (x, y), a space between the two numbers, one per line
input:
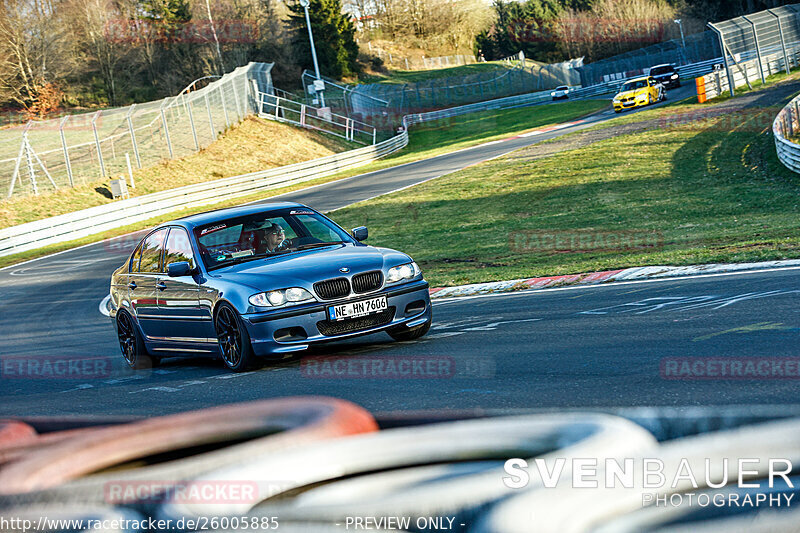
(317, 245)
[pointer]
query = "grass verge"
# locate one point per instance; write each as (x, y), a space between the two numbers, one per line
(703, 191)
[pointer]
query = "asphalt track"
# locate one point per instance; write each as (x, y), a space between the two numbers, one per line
(609, 345)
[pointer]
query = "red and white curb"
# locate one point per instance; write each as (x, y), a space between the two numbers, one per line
(608, 276)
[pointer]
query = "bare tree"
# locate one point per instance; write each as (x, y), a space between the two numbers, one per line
(33, 49)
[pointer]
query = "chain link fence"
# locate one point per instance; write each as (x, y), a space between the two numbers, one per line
(421, 63)
(768, 41)
(695, 48)
(383, 104)
(77, 149)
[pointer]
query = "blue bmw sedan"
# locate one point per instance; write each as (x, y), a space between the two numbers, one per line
(260, 280)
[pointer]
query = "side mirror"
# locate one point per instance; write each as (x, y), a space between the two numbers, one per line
(360, 233)
(181, 268)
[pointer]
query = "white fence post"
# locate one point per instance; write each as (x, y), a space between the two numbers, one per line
(166, 129)
(129, 120)
(210, 118)
(66, 151)
(190, 111)
(97, 145)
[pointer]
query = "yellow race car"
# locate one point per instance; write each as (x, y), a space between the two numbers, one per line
(638, 92)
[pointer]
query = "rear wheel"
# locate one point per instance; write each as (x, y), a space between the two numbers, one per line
(406, 334)
(132, 345)
(234, 342)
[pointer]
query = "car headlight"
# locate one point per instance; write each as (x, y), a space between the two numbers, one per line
(280, 297)
(674, 76)
(552, 94)
(399, 273)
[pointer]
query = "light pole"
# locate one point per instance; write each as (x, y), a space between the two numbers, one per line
(679, 22)
(305, 4)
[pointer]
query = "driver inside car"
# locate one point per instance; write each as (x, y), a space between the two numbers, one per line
(275, 238)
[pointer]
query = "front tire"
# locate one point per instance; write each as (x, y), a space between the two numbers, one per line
(132, 344)
(234, 341)
(406, 334)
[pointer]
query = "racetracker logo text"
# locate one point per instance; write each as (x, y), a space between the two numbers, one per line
(401, 367)
(532, 241)
(191, 492)
(55, 368)
(711, 368)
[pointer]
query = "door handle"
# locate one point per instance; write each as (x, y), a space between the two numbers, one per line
(161, 285)
(132, 285)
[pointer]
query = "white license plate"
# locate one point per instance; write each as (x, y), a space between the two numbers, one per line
(357, 309)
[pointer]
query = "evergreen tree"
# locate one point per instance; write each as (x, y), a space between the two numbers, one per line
(334, 37)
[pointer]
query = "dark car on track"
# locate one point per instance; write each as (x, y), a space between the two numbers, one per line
(666, 74)
(260, 280)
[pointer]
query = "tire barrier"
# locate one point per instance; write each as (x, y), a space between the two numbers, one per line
(13, 432)
(656, 518)
(554, 509)
(273, 424)
(435, 491)
(420, 470)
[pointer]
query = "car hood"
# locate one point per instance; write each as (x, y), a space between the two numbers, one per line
(305, 268)
(628, 94)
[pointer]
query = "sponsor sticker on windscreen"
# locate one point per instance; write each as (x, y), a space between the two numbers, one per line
(357, 309)
(212, 229)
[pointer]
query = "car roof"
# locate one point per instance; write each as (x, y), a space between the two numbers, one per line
(640, 78)
(671, 65)
(208, 217)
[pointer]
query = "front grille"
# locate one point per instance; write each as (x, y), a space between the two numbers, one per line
(368, 281)
(341, 327)
(330, 289)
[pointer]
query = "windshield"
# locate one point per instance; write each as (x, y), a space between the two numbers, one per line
(234, 240)
(633, 85)
(657, 71)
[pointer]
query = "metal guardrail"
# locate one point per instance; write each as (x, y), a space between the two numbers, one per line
(784, 128)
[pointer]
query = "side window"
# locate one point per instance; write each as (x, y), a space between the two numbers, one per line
(137, 255)
(178, 248)
(151, 251)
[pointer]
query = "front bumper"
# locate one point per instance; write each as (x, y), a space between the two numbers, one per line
(619, 106)
(669, 83)
(296, 328)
